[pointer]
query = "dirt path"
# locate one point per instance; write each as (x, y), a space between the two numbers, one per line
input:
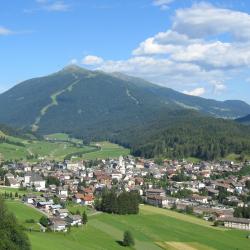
(53, 102)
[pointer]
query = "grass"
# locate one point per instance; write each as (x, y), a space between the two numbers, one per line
(2, 134)
(23, 213)
(57, 136)
(14, 190)
(73, 208)
(57, 147)
(62, 137)
(235, 157)
(108, 150)
(193, 159)
(153, 229)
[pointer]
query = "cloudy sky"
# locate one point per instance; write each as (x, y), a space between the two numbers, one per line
(196, 47)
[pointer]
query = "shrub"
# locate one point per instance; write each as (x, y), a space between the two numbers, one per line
(30, 221)
(128, 239)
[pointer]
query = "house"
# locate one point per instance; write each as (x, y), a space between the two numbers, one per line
(155, 192)
(199, 199)
(78, 198)
(238, 223)
(157, 201)
(116, 175)
(58, 225)
(9, 176)
(29, 198)
(34, 179)
(63, 191)
(73, 220)
(62, 213)
(13, 183)
(44, 204)
(88, 200)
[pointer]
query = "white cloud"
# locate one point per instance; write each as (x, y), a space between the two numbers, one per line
(5, 32)
(163, 4)
(92, 60)
(218, 86)
(194, 54)
(203, 20)
(162, 71)
(163, 43)
(50, 5)
(195, 92)
(57, 6)
(73, 61)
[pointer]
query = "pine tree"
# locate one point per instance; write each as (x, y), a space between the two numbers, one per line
(128, 239)
(84, 218)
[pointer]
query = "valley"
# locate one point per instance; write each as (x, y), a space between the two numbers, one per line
(56, 147)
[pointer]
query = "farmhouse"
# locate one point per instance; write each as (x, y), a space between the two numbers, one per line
(155, 192)
(58, 225)
(34, 179)
(62, 213)
(73, 220)
(238, 223)
(157, 200)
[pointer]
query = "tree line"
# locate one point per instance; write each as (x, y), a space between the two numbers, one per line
(201, 137)
(122, 203)
(242, 212)
(11, 233)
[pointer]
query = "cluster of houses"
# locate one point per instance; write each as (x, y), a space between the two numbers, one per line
(59, 218)
(171, 184)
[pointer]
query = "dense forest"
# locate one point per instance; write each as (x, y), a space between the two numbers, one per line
(11, 234)
(197, 136)
(122, 203)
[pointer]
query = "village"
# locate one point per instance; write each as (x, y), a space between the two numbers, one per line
(209, 190)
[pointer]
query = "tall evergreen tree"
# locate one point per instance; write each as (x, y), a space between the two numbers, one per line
(11, 233)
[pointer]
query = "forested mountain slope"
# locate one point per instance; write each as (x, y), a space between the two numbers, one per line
(149, 118)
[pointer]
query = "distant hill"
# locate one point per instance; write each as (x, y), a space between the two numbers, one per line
(97, 106)
(244, 120)
(6, 130)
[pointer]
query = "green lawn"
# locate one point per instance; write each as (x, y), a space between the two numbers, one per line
(73, 208)
(23, 213)
(108, 150)
(14, 190)
(57, 148)
(153, 229)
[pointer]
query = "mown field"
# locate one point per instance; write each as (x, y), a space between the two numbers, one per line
(153, 229)
(107, 150)
(57, 147)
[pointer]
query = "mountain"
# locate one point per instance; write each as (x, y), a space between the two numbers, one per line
(95, 105)
(77, 99)
(229, 109)
(244, 120)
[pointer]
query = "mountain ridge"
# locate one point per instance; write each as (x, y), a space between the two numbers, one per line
(148, 118)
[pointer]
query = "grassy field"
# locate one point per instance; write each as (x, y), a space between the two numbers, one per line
(57, 147)
(153, 229)
(14, 190)
(62, 137)
(108, 150)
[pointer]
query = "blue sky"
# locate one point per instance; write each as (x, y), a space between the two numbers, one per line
(196, 47)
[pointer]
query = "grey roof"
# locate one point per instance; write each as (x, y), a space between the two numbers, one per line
(35, 177)
(236, 220)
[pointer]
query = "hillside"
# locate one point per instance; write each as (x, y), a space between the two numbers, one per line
(150, 119)
(154, 228)
(78, 100)
(244, 120)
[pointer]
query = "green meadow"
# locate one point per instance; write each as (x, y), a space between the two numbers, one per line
(153, 229)
(57, 147)
(107, 150)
